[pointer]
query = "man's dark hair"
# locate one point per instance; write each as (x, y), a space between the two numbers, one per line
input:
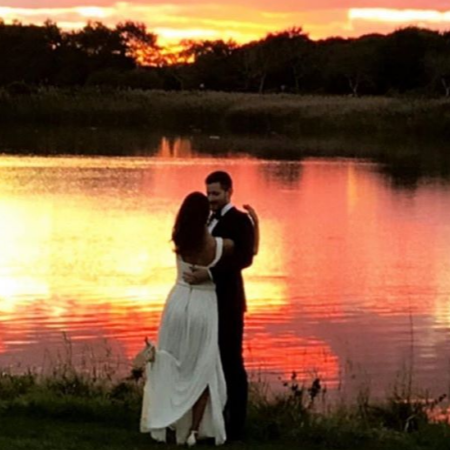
(220, 177)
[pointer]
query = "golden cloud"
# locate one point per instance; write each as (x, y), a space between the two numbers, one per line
(176, 21)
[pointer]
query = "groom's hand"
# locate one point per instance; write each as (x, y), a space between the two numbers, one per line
(196, 276)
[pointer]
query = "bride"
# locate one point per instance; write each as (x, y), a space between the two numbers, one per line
(185, 386)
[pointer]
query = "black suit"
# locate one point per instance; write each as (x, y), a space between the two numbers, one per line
(234, 225)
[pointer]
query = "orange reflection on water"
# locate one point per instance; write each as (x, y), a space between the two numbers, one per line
(175, 148)
(286, 353)
(87, 251)
(102, 256)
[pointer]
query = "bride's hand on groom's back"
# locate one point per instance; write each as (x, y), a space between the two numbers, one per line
(252, 213)
(255, 220)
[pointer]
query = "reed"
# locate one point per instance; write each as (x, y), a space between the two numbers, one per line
(99, 409)
(220, 112)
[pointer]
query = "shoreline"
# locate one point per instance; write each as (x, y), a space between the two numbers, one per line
(405, 157)
(69, 410)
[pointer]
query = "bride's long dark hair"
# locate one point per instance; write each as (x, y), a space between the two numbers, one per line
(189, 230)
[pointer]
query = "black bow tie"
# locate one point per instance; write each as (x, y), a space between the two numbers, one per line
(216, 215)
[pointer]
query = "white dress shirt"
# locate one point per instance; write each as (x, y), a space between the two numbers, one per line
(214, 222)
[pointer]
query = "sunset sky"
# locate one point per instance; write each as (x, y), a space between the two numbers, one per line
(173, 20)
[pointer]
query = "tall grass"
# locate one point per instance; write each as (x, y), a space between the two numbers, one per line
(300, 413)
(228, 112)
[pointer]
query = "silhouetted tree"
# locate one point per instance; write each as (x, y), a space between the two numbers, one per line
(356, 62)
(213, 65)
(437, 64)
(27, 52)
(259, 59)
(408, 60)
(403, 59)
(140, 44)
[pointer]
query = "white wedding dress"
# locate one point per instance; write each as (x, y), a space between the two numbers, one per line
(187, 361)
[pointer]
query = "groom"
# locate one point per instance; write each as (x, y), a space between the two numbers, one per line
(228, 222)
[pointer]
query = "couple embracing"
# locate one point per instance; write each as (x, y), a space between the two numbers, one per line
(196, 381)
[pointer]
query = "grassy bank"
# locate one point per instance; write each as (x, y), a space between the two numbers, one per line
(219, 112)
(69, 410)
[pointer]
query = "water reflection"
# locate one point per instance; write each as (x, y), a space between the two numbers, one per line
(172, 147)
(404, 161)
(407, 168)
(349, 270)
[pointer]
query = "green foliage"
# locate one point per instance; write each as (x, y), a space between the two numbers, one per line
(17, 385)
(408, 61)
(67, 400)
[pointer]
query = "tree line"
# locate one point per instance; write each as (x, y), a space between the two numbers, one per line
(411, 60)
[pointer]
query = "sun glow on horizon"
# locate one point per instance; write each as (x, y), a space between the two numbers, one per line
(166, 23)
(175, 22)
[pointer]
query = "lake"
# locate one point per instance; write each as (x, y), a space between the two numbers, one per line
(352, 282)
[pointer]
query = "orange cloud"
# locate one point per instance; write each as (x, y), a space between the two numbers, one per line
(180, 20)
(170, 21)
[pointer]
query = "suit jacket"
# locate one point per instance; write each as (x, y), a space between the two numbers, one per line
(227, 274)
